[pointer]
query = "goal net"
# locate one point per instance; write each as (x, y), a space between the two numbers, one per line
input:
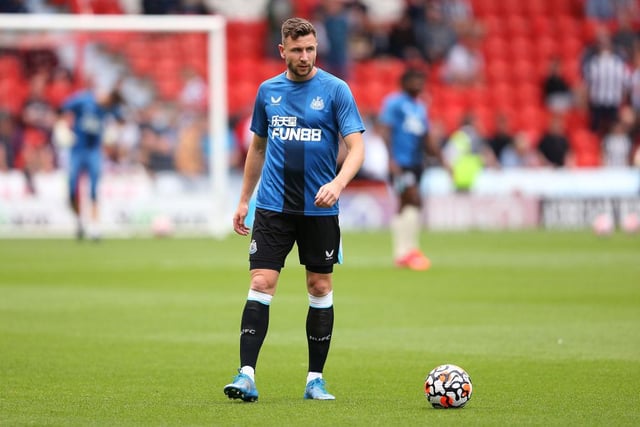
(167, 166)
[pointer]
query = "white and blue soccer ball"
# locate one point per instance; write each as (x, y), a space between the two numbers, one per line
(448, 386)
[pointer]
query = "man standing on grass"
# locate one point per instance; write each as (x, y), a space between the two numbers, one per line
(298, 119)
(86, 113)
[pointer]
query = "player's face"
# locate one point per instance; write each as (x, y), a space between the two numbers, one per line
(414, 86)
(300, 56)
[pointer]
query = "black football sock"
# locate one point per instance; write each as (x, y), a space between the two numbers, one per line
(253, 330)
(319, 330)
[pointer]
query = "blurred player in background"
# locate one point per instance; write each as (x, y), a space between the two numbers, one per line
(298, 119)
(404, 126)
(86, 113)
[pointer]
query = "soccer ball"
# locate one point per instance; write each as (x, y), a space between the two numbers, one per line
(603, 224)
(631, 223)
(448, 386)
(162, 226)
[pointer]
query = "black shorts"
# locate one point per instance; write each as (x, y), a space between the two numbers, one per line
(274, 233)
(410, 177)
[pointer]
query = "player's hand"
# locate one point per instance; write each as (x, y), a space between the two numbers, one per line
(238, 219)
(328, 195)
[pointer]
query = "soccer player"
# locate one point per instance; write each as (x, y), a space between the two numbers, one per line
(86, 113)
(404, 127)
(298, 118)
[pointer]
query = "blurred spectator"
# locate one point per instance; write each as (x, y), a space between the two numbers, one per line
(464, 63)
(158, 138)
(334, 19)
(457, 13)
(13, 6)
(502, 135)
(635, 155)
(402, 37)
(625, 38)
(558, 96)
(38, 117)
(609, 10)
(554, 144)
(434, 35)
(364, 42)
(194, 7)
(8, 141)
(156, 150)
(601, 10)
(194, 92)
(277, 11)
(160, 7)
(616, 146)
(634, 95)
(466, 153)
(189, 153)
(607, 81)
(520, 153)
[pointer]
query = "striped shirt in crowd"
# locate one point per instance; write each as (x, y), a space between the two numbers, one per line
(608, 79)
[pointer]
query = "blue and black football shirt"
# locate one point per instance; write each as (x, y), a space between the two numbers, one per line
(408, 120)
(301, 121)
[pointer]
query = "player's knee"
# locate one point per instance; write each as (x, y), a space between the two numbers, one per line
(319, 284)
(264, 280)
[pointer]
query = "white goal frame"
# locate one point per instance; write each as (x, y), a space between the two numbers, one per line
(215, 28)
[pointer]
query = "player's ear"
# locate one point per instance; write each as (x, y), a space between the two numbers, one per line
(281, 49)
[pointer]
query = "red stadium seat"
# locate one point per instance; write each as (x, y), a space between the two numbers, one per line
(495, 47)
(502, 96)
(517, 25)
(534, 8)
(498, 71)
(545, 47)
(520, 47)
(509, 8)
(485, 7)
(524, 73)
(531, 118)
(241, 96)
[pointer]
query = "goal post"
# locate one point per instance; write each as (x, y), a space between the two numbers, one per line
(215, 28)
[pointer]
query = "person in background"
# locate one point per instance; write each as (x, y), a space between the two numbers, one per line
(607, 83)
(404, 126)
(617, 144)
(38, 116)
(466, 154)
(554, 144)
(299, 118)
(557, 93)
(8, 141)
(86, 113)
(502, 136)
(464, 64)
(520, 153)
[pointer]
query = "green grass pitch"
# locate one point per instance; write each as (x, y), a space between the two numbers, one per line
(145, 332)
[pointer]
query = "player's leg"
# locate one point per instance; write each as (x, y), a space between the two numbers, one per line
(319, 328)
(405, 226)
(319, 249)
(75, 169)
(95, 170)
(271, 240)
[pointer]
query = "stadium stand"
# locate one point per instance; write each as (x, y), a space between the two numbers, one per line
(520, 38)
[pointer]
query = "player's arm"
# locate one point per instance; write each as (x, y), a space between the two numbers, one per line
(252, 170)
(329, 193)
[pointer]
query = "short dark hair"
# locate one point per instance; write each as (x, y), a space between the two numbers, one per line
(412, 73)
(297, 27)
